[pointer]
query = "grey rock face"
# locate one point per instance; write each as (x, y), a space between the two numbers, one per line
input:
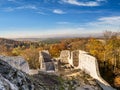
(16, 62)
(6, 85)
(13, 79)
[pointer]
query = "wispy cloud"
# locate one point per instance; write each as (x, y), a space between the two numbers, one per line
(11, 0)
(58, 11)
(88, 11)
(42, 13)
(15, 1)
(113, 20)
(106, 23)
(8, 9)
(63, 22)
(27, 7)
(101, 0)
(87, 3)
(110, 20)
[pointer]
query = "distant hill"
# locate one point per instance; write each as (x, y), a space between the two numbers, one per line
(59, 37)
(28, 39)
(10, 43)
(40, 40)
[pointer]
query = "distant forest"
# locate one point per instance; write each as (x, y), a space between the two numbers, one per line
(106, 49)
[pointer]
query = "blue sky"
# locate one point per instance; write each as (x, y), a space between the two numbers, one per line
(48, 18)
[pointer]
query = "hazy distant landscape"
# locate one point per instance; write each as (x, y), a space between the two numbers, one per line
(30, 47)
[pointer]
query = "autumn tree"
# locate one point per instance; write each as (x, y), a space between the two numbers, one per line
(112, 48)
(16, 51)
(3, 49)
(32, 56)
(54, 50)
(96, 48)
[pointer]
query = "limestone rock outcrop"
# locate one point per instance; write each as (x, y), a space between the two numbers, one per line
(13, 79)
(17, 62)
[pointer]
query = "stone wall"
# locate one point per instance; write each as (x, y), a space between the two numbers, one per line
(88, 64)
(47, 64)
(65, 56)
(75, 58)
(16, 62)
(81, 59)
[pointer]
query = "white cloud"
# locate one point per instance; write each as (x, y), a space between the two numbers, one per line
(110, 20)
(63, 22)
(101, 0)
(8, 9)
(42, 13)
(88, 3)
(58, 11)
(11, 0)
(113, 20)
(27, 7)
(106, 23)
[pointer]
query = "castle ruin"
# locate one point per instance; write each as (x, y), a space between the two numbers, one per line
(79, 60)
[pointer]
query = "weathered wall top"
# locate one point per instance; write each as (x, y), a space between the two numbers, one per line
(64, 56)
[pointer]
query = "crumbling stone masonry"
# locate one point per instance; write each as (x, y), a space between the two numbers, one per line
(47, 63)
(82, 60)
(65, 56)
